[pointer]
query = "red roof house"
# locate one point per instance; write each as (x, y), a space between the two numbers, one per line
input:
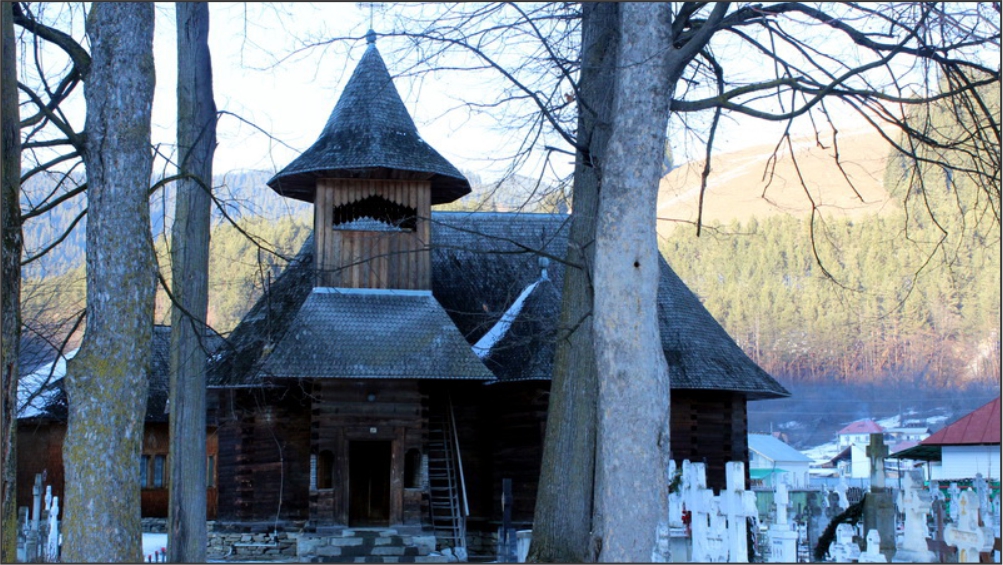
(981, 427)
(969, 446)
(858, 433)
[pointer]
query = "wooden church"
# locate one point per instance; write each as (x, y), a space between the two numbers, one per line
(398, 370)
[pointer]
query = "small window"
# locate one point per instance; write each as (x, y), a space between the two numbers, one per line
(412, 469)
(325, 468)
(210, 471)
(144, 470)
(158, 471)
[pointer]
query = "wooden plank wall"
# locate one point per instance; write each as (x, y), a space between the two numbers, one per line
(39, 449)
(264, 454)
(155, 501)
(520, 414)
(342, 412)
(363, 259)
(710, 427)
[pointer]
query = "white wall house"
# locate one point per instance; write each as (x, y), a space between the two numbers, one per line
(964, 461)
(858, 433)
(969, 446)
(771, 458)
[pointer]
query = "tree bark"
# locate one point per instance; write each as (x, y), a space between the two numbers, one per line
(562, 524)
(632, 485)
(106, 382)
(10, 287)
(190, 273)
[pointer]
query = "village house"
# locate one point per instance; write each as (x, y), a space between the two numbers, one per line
(396, 374)
(962, 449)
(770, 459)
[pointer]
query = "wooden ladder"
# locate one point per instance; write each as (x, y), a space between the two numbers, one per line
(447, 491)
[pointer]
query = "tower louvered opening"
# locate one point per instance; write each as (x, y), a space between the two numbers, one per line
(374, 213)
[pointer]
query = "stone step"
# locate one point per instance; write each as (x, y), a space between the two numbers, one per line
(367, 546)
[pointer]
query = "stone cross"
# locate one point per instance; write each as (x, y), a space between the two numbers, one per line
(844, 502)
(985, 506)
(935, 493)
(676, 500)
(944, 552)
(782, 501)
(52, 543)
(783, 539)
(717, 535)
(955, 493)
(873, 553)
(915, 505)
(876, 453)
(965, 534)
(739, 504)
(702, 508)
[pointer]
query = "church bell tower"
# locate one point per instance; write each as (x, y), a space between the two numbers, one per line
(373, 181)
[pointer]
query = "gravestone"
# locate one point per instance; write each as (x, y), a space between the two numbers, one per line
(716, 549)
(696, 501)
(52, 540)
(873, 554)
(844, 549)
(916, 505)
(738, 505)
(815, 519)
(876, 453)
(678, 528)
(841, 488)
(937, 545)
(783, 538)
(954, 492)
(965, 534)
(879, 505)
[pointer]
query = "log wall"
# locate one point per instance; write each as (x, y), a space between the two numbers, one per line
(264, 454)
(342, 413)
(710, 427)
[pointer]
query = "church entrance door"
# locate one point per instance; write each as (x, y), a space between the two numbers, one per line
(369, 483)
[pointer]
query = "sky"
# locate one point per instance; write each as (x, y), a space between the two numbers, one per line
(263, 77)
(257, 76)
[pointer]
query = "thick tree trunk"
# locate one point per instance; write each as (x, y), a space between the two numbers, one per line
(632, 485)
(10, 286)
(190, 269)
(562, 524)
(106, 381)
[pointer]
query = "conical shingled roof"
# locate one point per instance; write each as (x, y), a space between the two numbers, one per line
(370, 135)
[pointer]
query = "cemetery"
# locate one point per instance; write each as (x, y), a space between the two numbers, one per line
(911, 520)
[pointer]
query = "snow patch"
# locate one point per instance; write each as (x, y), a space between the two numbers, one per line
(483, 346)
(34, 390)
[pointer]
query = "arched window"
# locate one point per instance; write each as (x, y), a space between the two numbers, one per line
(412, 469)
(325, 468)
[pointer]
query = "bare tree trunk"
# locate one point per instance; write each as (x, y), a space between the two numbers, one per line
(632, 485)
(106, 381)
(562, 524)
(190, 268)
(10, 287)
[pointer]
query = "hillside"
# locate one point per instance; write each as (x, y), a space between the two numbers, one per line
(739, 187)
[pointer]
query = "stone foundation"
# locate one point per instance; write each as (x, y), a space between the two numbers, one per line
(376, 545)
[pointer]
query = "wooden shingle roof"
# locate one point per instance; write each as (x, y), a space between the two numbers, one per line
(370, 135)
(372, 334)
(481, 263)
